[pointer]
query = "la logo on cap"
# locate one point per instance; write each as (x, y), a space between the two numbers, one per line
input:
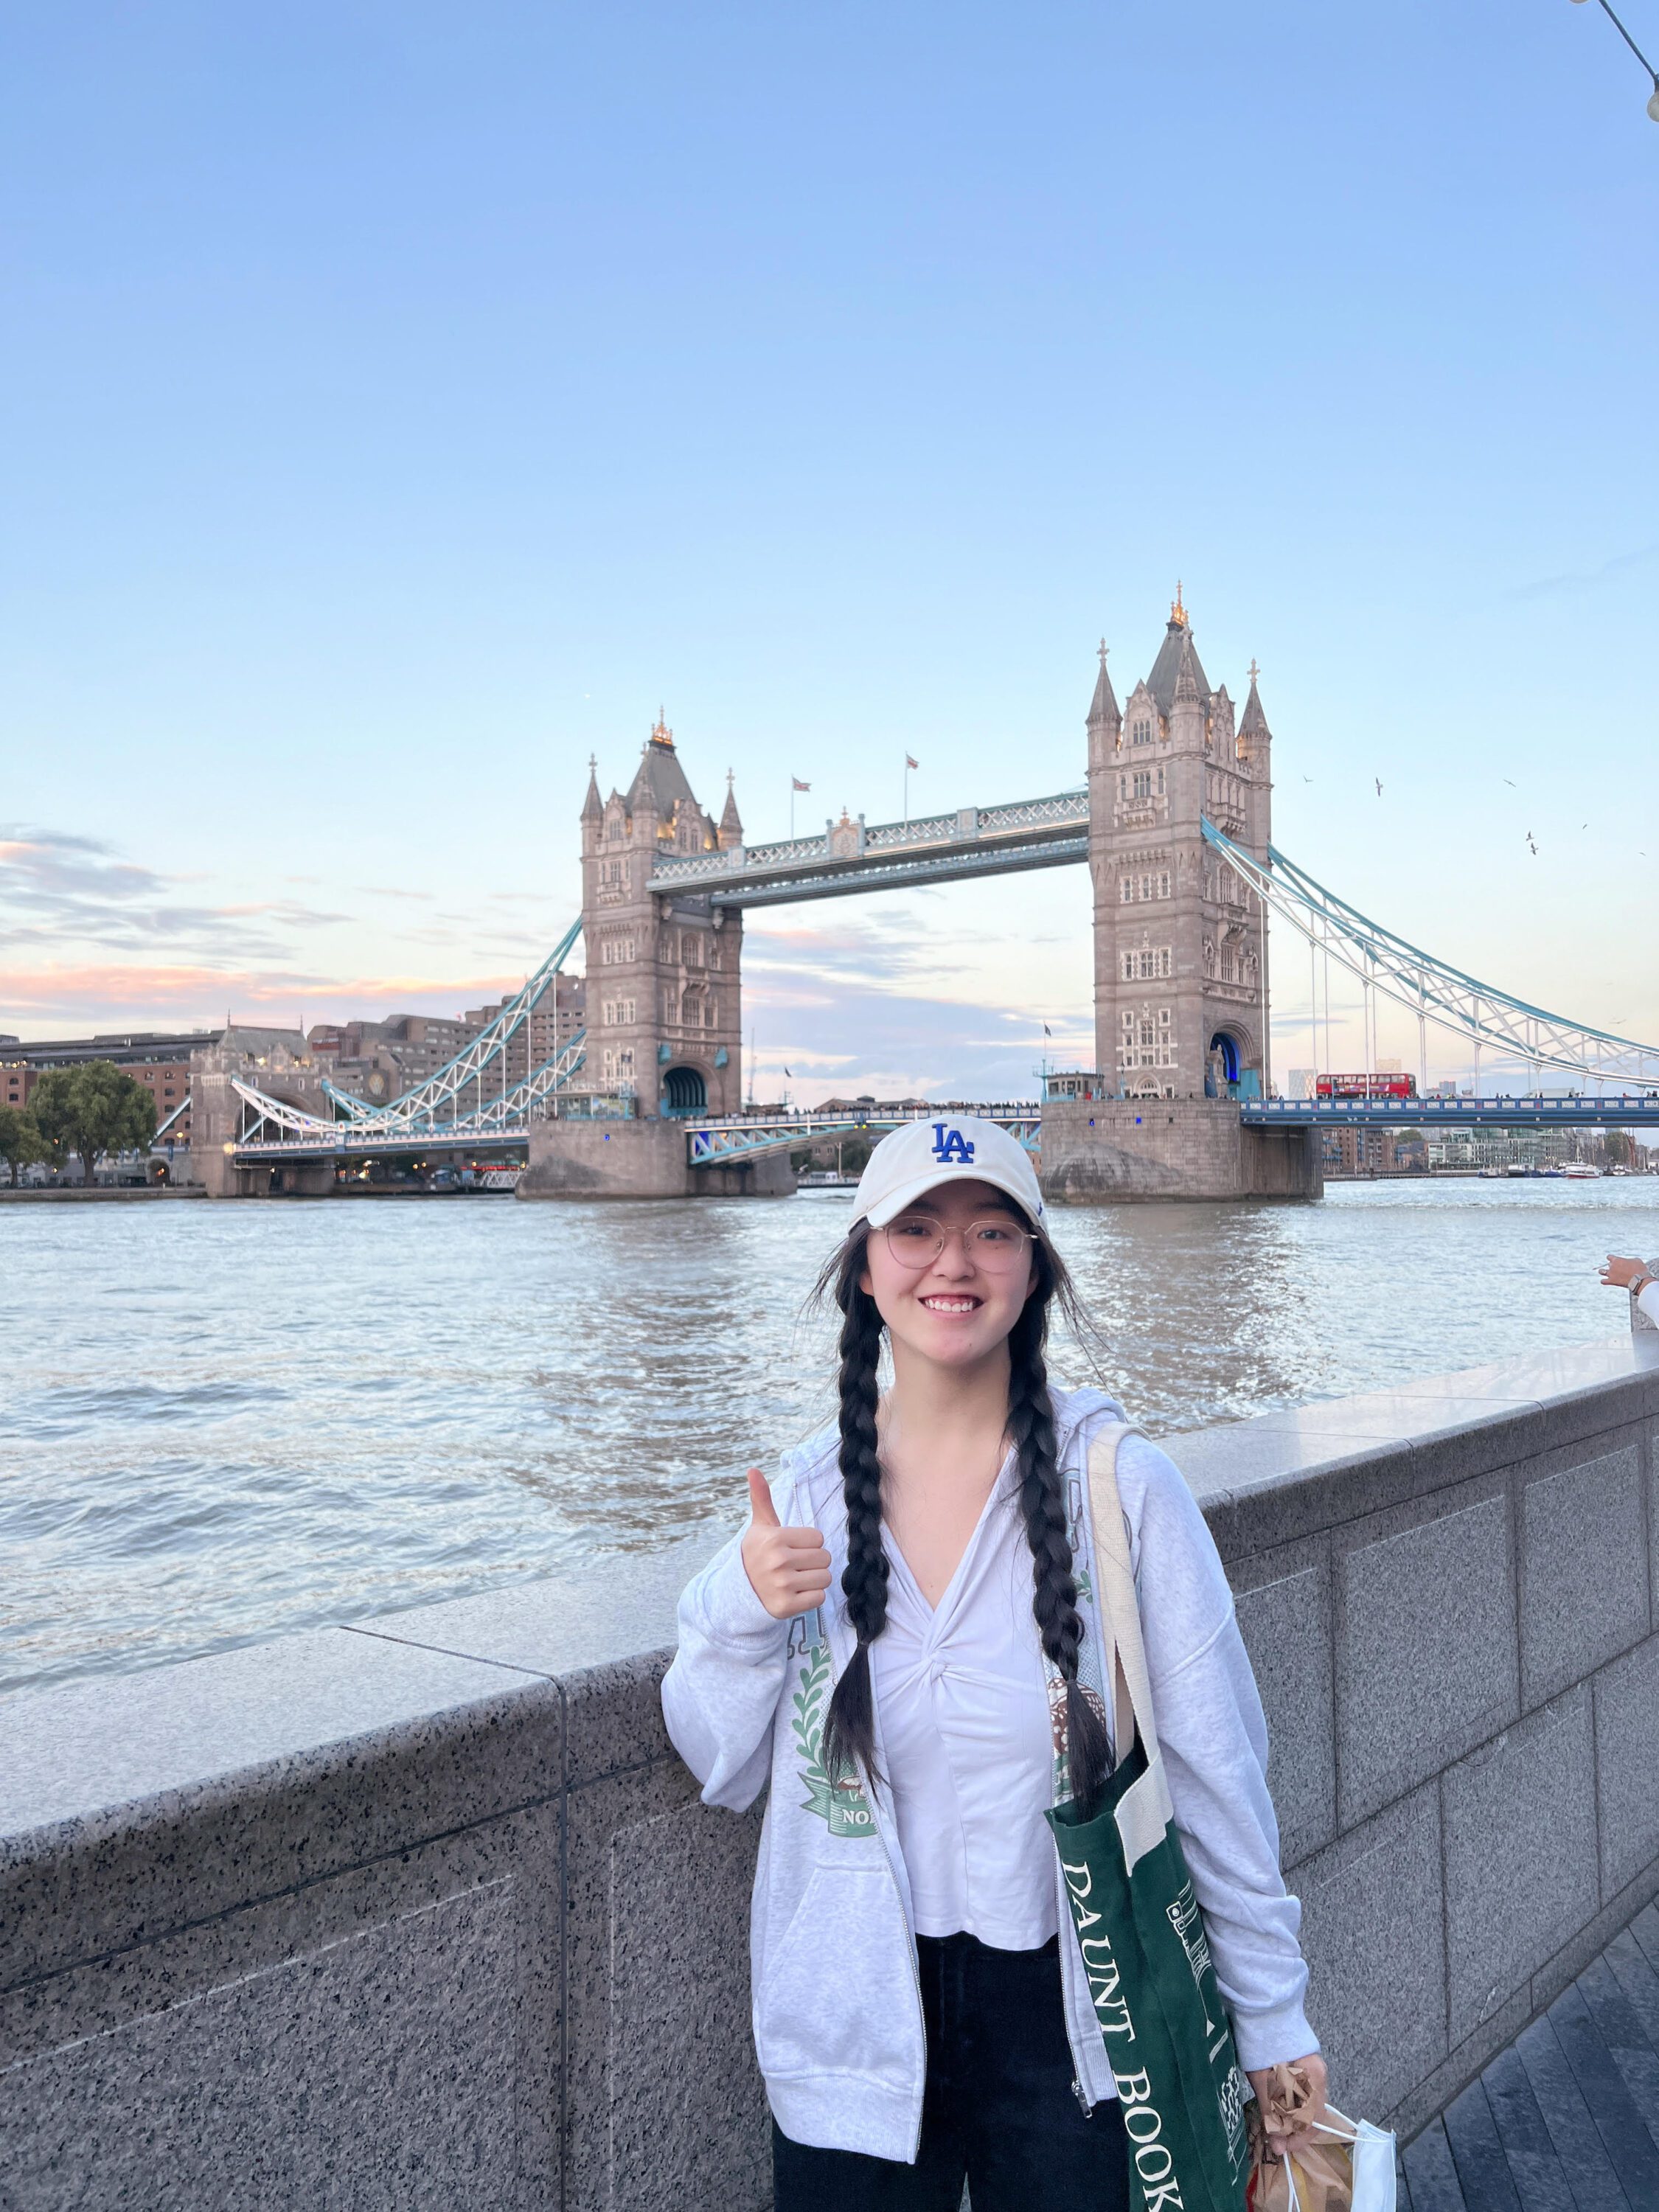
(951, 1144)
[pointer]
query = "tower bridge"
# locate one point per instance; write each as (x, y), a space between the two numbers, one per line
(1173, 821)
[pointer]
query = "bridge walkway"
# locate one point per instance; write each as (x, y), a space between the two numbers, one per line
(1566, 2119)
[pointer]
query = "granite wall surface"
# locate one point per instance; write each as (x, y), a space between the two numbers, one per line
(424, 1911)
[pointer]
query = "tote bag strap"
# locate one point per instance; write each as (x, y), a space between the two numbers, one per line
(1144, 1811)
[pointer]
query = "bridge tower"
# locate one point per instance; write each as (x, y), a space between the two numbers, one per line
(664, 1011)
(1181, 981)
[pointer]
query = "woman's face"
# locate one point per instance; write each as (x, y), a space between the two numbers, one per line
(955, 1306)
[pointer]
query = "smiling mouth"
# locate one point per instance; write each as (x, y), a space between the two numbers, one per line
(952, 1305)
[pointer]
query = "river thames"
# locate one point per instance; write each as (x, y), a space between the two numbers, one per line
(231, 1422)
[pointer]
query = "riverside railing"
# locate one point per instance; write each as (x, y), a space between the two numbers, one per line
(424, 1911)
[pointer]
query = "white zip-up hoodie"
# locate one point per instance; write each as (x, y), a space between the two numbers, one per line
(835, 1996)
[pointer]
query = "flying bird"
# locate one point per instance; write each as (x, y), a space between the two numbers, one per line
(1530, 846)
(1377, 780)
(1306, 779)
(1511, 782)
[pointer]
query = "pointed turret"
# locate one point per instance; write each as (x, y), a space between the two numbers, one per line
(1253, 725)
(1105, 724)
(729, 833)
(1102, 707)
(1177, 656)
(593, 805)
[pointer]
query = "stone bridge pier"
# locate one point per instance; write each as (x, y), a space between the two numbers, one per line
(277, 1064)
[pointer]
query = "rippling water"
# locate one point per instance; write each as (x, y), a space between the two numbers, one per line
(227, 1422)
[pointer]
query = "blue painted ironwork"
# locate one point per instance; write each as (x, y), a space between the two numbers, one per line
(437, 1100)
(439, 1105)
(1477, 1014)
(1627, 1110)
(746, 1136)
(504, 1115)
(178, 1111)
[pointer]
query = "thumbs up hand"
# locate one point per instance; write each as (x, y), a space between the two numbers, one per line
(788, 1568)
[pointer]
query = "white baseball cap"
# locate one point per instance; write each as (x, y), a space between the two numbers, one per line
(956, 1148)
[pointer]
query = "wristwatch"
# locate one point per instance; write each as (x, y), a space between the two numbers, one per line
(1639, 1283)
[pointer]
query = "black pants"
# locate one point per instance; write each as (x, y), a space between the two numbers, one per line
(1000, 2111)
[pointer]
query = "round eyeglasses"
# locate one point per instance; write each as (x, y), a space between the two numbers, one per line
(995, 1244)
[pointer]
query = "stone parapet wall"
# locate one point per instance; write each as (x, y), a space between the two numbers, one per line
(1450, 1595)
(424, 1911)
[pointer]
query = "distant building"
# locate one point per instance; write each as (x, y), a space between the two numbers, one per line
(159, 1059)
(380, 1060)
(1351, 1151)
(1489, 1147)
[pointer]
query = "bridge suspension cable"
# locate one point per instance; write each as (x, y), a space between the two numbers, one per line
(1431, 989)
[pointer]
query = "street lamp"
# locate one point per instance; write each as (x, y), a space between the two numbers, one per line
(1653, 103)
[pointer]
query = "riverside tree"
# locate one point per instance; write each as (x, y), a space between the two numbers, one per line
(90, 1110)
(20, 1141)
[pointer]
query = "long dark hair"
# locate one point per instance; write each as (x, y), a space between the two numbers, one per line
(849, 1736)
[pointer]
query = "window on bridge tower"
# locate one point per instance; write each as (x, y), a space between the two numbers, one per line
(1143, 782)
(1140, 733)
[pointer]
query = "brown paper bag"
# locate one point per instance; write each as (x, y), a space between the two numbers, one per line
(1318, 2175)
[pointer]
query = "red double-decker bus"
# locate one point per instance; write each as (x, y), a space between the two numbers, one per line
(1366, 1086)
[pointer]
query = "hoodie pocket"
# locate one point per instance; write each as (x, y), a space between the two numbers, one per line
(839, 1993)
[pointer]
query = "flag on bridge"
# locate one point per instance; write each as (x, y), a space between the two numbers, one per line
(1046, 1031)
(910, 762)
(795, 784)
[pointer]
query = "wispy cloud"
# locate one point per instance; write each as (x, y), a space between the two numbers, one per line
(56, 889)
(1580, 579)
(102, 992)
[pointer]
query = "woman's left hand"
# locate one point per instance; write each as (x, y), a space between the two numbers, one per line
(1283, 2128)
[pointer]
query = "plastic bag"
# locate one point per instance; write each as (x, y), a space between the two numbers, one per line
(1340, 2165)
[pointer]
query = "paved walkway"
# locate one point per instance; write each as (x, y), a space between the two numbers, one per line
(1567, 2118)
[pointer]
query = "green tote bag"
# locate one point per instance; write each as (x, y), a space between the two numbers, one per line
(1145, 1949)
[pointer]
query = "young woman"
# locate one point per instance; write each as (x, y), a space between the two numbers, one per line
(904, 1645)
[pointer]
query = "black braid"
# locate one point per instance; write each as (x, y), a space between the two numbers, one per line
(1041, 1497)
(849, 1726)
(849, 1735)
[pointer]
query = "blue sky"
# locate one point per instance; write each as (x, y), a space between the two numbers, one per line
(403, 402)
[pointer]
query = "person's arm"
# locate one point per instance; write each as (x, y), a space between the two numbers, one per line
(1214, 1739)
(720, 1693)
(1622, 1272)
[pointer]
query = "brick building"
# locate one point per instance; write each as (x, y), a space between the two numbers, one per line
(158, 1059)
